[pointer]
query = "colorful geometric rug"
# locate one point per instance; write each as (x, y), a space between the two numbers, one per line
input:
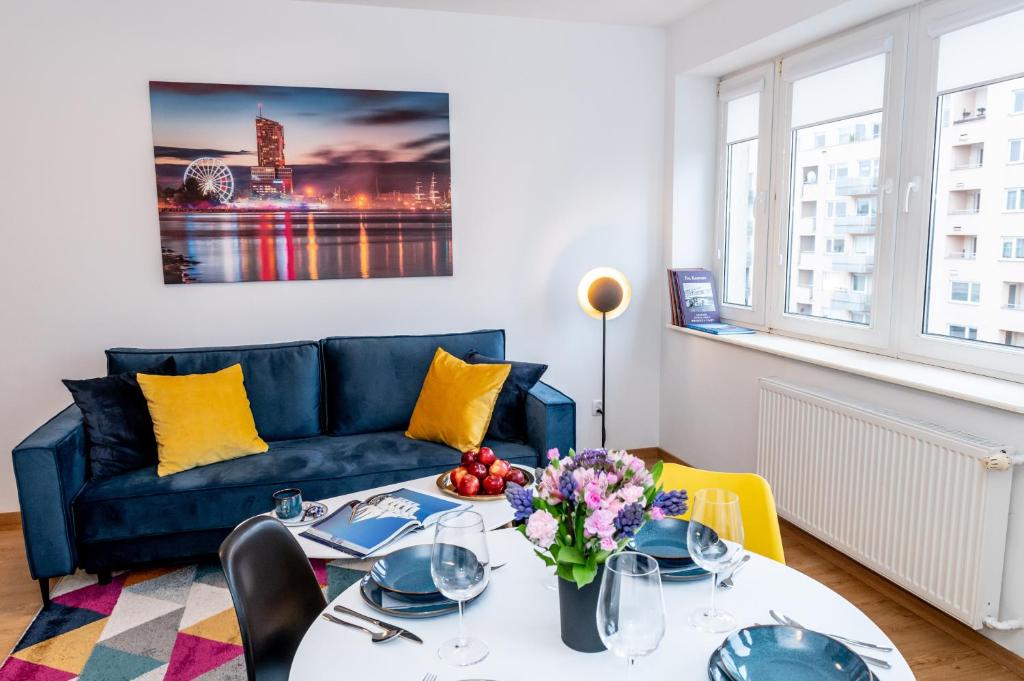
(169, 624)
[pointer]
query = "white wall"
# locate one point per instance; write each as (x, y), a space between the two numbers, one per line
(700, 376)
(557, 137)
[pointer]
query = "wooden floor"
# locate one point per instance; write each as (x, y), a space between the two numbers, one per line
(937, 647)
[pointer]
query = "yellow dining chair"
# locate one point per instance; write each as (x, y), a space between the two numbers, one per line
(757, 504)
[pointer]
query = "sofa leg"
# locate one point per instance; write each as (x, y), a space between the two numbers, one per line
(104, 576)
(44, 590)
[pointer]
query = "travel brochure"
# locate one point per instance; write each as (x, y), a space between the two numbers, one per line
(695, 303)
(361, 527)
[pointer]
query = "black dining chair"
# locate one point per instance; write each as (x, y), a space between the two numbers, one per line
(275, 593)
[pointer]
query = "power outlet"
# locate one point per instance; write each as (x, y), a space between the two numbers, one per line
(598, 408)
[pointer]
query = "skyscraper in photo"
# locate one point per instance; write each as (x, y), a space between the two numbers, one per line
(271, 176)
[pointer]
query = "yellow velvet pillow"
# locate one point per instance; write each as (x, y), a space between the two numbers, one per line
(200, 419)
(456, 401)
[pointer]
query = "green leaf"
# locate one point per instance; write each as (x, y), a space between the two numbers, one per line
(600, 557)
(565, 572)
(656, 471)
(555, 549)
(545, 557)
(580, 518)
(571, 555)
(583, 575)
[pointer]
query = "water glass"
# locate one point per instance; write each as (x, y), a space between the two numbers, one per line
(460, 567)
(630, 609)
(715, 541)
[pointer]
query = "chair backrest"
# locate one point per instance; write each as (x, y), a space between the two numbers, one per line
(757, 504)
(275, 593)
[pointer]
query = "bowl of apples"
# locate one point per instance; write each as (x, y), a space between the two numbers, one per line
(482, 476)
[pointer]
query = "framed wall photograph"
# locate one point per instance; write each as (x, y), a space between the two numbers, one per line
(269, 183)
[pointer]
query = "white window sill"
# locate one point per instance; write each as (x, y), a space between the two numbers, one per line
(991, 392)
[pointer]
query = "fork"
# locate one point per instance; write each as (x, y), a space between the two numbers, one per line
(878, 662)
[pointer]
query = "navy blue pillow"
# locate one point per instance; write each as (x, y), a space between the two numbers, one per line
(508, 422)
(117, 420)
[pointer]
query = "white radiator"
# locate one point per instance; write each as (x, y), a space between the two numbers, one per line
(924, 506)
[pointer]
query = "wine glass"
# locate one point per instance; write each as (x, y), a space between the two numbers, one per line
(630, 610)
(715, 541)
(460, 567)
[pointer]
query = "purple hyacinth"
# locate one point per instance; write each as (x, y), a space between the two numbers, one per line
(674, 502)
(629, 519)
(521, 500)
(566, 485)
(590, 458)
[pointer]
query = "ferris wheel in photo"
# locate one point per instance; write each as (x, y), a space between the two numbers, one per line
(213, 177)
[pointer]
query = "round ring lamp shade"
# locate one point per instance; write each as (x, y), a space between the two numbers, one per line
(604, 291)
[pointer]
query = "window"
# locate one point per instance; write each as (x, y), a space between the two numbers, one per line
(845, 103)
(878, 131)
(959, 209)
(1013, 247)
(965, 291)
(1015, 200)
(1016, 155)
(743, 175)
(836, 209)
(957, 331)
(834, 245)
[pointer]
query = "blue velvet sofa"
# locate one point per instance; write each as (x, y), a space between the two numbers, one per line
(333, 411)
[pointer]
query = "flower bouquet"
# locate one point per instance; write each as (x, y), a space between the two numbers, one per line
(586, 507)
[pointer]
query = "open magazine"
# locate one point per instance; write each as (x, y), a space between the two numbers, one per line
(361, 527)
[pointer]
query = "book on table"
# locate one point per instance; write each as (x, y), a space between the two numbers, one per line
(720, 329)
(361, 527)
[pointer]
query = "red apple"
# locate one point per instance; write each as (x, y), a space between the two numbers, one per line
(468, 458)
(500, 468)
(486, 456)
(457, 475)
(494, 484)
(516, 476)
(478, 470)
(469, 486)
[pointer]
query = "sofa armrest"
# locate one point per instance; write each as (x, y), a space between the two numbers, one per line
(50, 469)
(550, 421)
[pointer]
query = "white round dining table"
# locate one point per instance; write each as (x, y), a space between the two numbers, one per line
(517, 617)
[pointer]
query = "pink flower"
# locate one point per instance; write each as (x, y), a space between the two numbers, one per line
(608, 544)
(582, 477)
(547, 488)
(552, 453)
(631, 494)
(600, 524)
(592, 496)
(541, 529)
(657, 513)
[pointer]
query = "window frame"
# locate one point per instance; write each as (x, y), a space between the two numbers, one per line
(760, 79)
(917, 158)
(888, 36)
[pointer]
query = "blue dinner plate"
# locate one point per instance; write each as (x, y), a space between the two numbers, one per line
(664, 539)
(406, 571)
(401, 605)
(770, 653)
(690, 572)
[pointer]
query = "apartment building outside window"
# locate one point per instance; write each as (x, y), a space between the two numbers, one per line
(968, 332)
(965, 292)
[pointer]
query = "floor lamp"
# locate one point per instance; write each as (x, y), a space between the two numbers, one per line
(604, 294)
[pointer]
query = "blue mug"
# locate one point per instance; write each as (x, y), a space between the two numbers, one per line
(287, 503)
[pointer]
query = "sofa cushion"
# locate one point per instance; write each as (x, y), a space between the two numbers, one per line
(221, 495)
(509, 419)
(372, 382)
(282, 381)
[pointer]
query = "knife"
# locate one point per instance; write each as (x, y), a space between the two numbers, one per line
(404, 633)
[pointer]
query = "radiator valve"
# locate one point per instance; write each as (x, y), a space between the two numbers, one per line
(1003, 625)
(1002, 461)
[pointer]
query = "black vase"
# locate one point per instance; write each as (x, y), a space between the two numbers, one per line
(578, 610)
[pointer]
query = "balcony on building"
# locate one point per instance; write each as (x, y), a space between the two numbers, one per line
(858, 263)
(969, 106)
(964, 201)
(961, 247)
(857, 186)
(803, 294)
(967, 157)
(854, 301)
(806, 225)
(855, 224)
